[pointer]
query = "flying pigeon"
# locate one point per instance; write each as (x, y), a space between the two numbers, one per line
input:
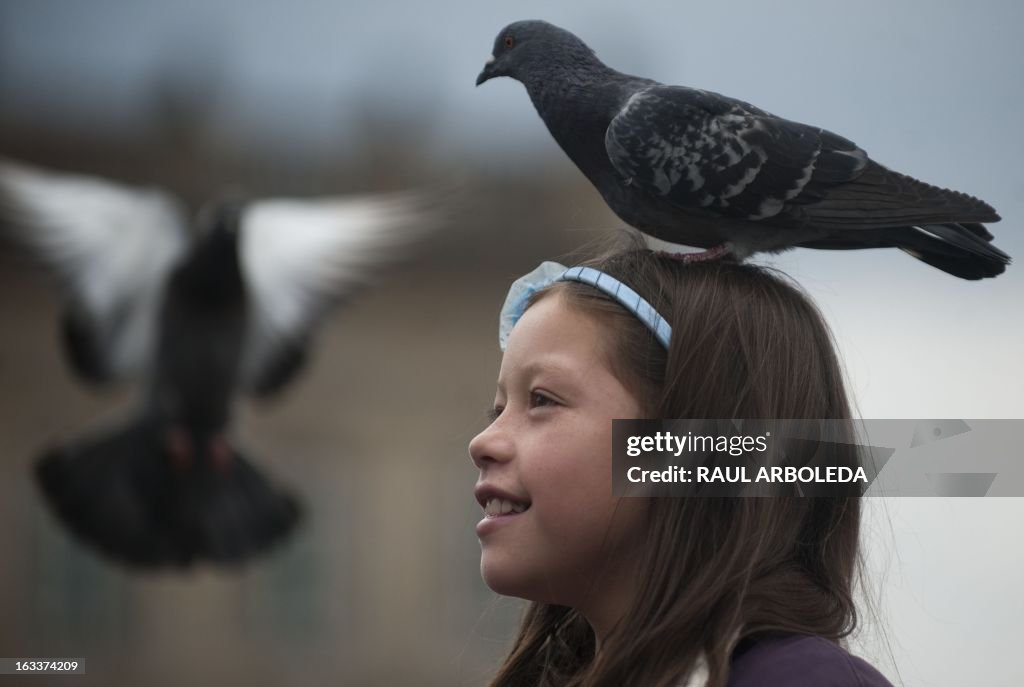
(198, 318)
(694, 167)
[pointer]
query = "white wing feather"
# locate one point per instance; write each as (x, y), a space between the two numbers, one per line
(299, 257)
(110, 245)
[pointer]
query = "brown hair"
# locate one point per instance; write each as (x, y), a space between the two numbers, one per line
(746, 343)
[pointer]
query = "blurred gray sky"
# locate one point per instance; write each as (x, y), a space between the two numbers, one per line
(931, 88)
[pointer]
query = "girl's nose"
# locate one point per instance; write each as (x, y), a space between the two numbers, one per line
(492, 445)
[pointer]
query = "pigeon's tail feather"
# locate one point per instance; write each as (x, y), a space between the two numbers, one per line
(978, 230)
(122, 493)
(881, 198)
(957, 249)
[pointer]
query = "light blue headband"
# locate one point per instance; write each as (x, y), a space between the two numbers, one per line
(550, 272)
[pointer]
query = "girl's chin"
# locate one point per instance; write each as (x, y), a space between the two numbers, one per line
(502, 577)
(509, 580)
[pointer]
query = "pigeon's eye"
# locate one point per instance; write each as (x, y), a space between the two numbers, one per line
(509, 41)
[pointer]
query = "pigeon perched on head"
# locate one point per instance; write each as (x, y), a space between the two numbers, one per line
(198, 319)
(694, 167)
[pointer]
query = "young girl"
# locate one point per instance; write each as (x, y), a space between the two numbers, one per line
(661, 591)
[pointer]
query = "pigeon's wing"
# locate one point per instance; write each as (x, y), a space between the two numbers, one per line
(301, 257)
(701, 150)
(110, 246)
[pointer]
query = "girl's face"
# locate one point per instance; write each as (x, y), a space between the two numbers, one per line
(552, 531)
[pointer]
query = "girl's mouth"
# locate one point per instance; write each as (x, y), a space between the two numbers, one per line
(495, 507)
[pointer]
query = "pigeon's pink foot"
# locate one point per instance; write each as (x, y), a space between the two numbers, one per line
(179, 447)
(220, 453)
(714, 253)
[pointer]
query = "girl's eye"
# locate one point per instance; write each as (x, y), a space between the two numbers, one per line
(493, 413)
(538, 399)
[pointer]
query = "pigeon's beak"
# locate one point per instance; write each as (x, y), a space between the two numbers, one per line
(486, 73)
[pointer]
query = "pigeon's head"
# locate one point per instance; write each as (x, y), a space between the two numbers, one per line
(524, 47)
(224, 215)
(213, 260)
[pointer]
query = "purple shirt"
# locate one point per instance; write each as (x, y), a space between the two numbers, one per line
(797, 660)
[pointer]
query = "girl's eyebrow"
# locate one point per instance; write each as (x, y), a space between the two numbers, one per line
(546, 367)
(555, 363)
(559, 371)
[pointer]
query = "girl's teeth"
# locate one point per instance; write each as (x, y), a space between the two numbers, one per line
(503, 507)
